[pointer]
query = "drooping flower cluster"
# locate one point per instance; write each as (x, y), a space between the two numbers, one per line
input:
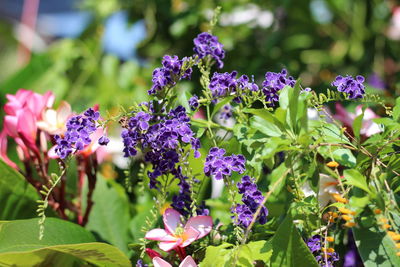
(353, 87)
(182, 202)
(79, 134)
(324, 258)
(169, 74)
(273, 83)
(162, 141)
(207, 44)
(251, 198)
(224, 84)
(219, 165)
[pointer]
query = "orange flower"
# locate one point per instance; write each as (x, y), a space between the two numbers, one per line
(340, 199)
(347, 217)
(346, 211)
(330, 239)
(377, 211)
(332, 164)
(349, 224)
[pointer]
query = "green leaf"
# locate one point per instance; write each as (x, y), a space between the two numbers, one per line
(354, 177)
(344, 157)
(266, 127)
(17, 196)
(357, 124)
(396, 110)
(223, 255)
(375, 247)
(257, 250)
(99, 254)
(23, 235)
(110, 215)
(217, 256)
(289, 249)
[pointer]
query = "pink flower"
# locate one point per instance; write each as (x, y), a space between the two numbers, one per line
(187, 262)
(35, 102)
(54, 121)
(23, 110)
(175, 234)
(368, 126)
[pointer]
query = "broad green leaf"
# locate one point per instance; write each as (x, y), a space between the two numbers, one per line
(17, 196)
(23, 235)
(245, 255)
(375, 247)
(257, 250)
(344, 157)
(98, 254)
(266, 127)
(289, 249)
(110, 215)
(354, 177)
(266, 115)
(217, 256)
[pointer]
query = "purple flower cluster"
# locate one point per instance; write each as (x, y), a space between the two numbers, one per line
(169, 74)
(194, 102)
(273, 83)
(77, 137)
(207, 44)
(162, 141)
(219, 165)
(251, 198)
(183, 200)
(223, 84)
(353, 87)
(315, 244)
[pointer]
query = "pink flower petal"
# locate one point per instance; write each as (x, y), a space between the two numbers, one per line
(188, 262)
(189, 236)
(158, 262)
(3, 150)
(26, 127)
(10, 126)
(171, 219)
(52, 153)
(160, 235)
(63, 112)
(202, 224)
(167, 246)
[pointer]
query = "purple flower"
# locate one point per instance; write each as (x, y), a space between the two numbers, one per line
(224, 84)
(140, 263)
(207, 44)
(225, 113)
(375, 81)
(77, 136)
(183, 201)
(218, 165)
(273, 83)
(194, 102)
(325, 259)
(169, 74)
(160, 137)
(353, 87)
(252, 199)
(104, 140)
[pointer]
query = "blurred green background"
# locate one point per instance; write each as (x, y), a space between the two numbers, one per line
(104, 51)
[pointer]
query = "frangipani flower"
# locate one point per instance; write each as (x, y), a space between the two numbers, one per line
(54, 121)
(187, 262)
(23, 110)
(327, 188)
(178, 235)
